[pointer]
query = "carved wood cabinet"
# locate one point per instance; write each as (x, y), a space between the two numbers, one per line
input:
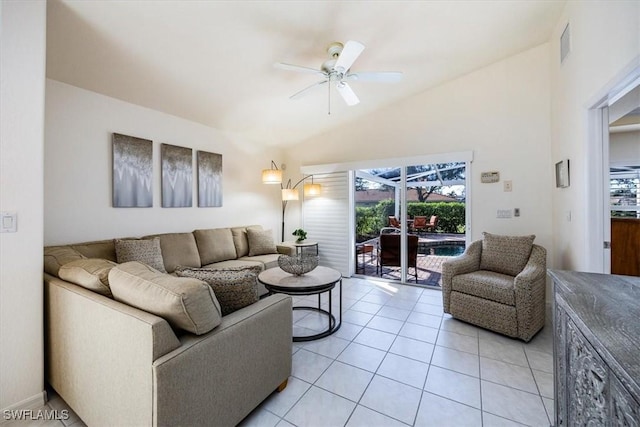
(596, 349)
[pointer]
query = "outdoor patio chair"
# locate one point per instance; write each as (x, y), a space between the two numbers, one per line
(419, 223)
(433, 223)
(393, 222)
(389, 252)
(498, 284)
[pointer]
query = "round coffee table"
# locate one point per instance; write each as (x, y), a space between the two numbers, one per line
(316, 282)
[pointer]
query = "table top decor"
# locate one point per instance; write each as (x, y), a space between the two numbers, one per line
(299, 264)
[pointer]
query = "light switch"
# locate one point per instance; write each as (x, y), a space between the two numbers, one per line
(9, 222)
(508, 186)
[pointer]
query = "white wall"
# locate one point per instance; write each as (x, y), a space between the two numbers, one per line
(624, 148)
(605, 39)
(500, 112)
(22, 38)
(78, 171)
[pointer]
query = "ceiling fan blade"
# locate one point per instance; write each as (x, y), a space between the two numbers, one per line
(380, 76)
(299, 68)
(304, 91)
(347, 93)
(348, 56)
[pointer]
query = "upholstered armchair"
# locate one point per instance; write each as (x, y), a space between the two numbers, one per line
(499, 284)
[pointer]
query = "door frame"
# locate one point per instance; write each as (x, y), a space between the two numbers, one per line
(402, 162)
(599, 224)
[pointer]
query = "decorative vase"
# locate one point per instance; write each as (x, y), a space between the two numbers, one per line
(299, 264)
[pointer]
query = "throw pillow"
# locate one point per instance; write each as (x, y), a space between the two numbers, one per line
(90, 273)
(505, 254)
(185, 303)
(235, 288)
(261, 242)
(146, 251)
(240, 239)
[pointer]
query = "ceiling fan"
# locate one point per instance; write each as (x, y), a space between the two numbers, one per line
(337, 70)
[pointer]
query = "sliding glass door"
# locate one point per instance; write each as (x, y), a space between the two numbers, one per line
(409, 219)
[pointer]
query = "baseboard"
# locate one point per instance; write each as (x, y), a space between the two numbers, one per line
(33, 402)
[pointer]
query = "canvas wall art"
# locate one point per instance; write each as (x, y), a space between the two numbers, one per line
(177, 176)
(132, 172)
(209, 179)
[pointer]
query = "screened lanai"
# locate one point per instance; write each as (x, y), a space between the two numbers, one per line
(428, 191)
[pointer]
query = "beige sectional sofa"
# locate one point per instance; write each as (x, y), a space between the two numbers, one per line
(115, 364)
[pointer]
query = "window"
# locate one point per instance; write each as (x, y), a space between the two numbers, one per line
(624, 192)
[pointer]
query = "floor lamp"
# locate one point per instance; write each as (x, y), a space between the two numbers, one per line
(274, 176)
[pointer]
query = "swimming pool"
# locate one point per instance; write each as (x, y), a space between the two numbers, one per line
(445, 250)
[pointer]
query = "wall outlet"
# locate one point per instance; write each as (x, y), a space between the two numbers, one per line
(508, 186)
(504, 213)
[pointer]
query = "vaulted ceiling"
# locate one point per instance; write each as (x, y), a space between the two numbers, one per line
(212, 61)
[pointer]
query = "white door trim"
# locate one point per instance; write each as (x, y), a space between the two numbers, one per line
(599, 223)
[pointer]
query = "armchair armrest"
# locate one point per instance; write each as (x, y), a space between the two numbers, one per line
(535, 269)
(530, 287)
(466, 263)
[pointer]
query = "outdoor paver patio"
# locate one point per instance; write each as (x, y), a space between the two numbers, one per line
(429, 266)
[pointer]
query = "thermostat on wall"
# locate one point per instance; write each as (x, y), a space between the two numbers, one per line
(489, 177)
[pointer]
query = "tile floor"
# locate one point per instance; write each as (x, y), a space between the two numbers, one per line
(398, 360)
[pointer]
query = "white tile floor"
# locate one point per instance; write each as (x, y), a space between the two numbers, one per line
(398, 360)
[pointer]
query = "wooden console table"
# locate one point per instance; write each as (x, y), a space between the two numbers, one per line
(596, 349)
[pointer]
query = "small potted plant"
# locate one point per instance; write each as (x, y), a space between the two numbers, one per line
(300, 234)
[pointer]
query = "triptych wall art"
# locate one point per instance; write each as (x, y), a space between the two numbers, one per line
(177, 176)
(132, 172)
(133, 175)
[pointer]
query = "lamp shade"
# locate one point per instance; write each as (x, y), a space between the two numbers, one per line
(311, 189)
(271, 176)
(289, 194)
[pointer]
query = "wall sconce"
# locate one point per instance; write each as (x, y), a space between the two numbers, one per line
(274, 176)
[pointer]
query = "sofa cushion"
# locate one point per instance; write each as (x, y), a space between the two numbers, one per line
(505, 254)
(178, 249)
(267, 260)
(103, 249)
(57, 256)
(240, 239)
(185, 303)
(234, 288)
(146, 251)
(487, 285)
(215, 244)
(90, 273)
(261, 242)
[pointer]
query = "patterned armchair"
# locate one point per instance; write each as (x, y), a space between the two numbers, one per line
(499, 284)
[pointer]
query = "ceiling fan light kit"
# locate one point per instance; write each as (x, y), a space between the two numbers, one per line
(336, 70)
